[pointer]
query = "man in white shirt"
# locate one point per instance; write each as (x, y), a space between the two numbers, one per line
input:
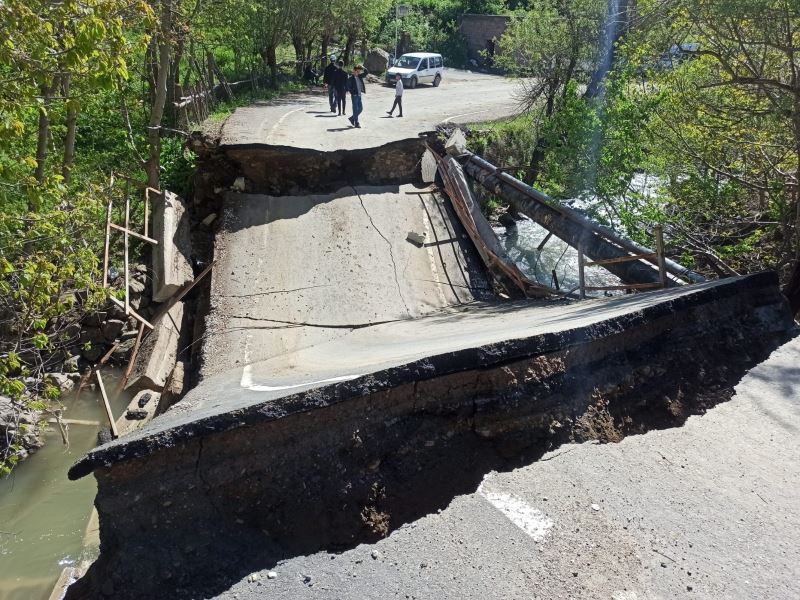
(398, 96)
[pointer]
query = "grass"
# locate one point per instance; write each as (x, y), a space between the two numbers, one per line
(224, 108)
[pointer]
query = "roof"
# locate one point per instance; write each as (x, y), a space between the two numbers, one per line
(421, 54)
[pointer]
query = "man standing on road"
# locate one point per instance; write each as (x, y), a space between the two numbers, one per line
(355, 85)
(327, 79)
(340, 83)
(398, 96)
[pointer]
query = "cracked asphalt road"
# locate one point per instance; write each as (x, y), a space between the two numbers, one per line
(297, 271)
(706, 511)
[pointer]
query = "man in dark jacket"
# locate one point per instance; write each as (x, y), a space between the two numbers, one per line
(340, 84)
(355, 85)
(327, 79)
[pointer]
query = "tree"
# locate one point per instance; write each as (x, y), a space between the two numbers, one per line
(549, 47)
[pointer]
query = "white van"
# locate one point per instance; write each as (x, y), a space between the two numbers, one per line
(417, 67)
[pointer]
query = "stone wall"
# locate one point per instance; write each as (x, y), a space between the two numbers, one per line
(479, 30)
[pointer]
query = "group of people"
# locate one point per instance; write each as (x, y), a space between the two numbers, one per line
(339, 83)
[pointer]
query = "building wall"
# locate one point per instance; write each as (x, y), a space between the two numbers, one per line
(478, 30)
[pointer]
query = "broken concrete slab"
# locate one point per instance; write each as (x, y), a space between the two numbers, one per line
(158, 353)
(171, 267)
(456, 144)
(141, 409)
(429, 167)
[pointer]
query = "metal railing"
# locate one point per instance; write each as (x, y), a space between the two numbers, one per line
(656, 257)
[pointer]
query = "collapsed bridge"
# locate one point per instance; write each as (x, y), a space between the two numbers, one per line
(355, 377)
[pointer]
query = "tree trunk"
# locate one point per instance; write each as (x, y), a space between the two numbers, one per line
(69, 140)
(174, 82)
(299, 54)
(272, 63)
(153, 165)
(324, 59)
(348, 49)
(538, 156)
(44, 132)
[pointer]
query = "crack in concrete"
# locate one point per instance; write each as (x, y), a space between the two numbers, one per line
(319, 325)
(391, 251)
(271, 292)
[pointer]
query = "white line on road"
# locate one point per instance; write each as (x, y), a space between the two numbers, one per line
(529, 519)
(247, 377)
(476, 112)
(247, 382)
(283, 118)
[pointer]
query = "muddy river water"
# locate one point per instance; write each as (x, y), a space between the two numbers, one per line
(43, 515)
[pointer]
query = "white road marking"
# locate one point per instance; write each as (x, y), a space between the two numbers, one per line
(477, 112)
(529, 519)
(247, 382)
(247, 377)
(283, 118)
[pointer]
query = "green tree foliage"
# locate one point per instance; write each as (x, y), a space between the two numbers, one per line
(696, 126)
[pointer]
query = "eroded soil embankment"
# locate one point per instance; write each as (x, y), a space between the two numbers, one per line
(193, 517)
(287, 171)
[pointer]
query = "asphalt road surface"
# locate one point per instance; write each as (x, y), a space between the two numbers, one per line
(705, 511)
(305, 121)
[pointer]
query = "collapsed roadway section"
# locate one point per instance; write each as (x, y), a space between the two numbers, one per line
(357, 377)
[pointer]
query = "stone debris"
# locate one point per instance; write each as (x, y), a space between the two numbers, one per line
(456, 144)
(595, 507)
(272, 575)
(61, 381)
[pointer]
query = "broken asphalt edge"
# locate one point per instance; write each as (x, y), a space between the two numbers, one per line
(485, 356)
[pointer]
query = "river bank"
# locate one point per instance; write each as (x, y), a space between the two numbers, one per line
(44, 515)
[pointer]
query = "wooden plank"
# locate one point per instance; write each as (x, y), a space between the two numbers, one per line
(622, 259)
(108, 239)
(133, 233)
(662, 266)
(132, 360)
(131, 312)
(546, 239)
(106, 404)
(629, 286)
(76, 422)
(127, 266)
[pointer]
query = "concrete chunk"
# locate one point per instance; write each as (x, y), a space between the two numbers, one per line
(171, 268)
(456, 144)
(158, 353)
